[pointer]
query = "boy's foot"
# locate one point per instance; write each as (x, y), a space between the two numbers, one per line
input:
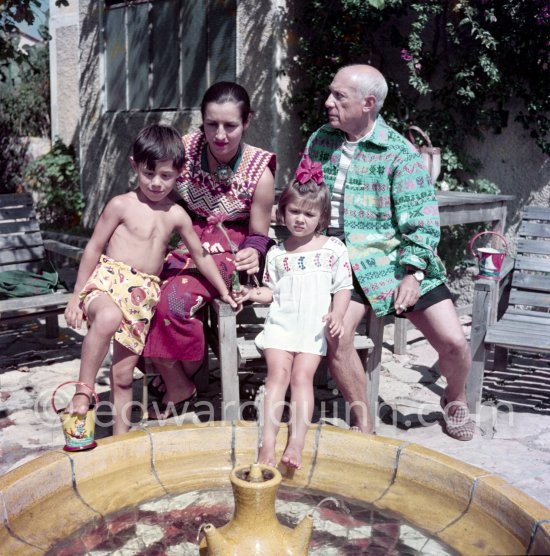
(79, 404)
(292, 458)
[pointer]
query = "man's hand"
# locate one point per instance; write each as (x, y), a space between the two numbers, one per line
(406, 294)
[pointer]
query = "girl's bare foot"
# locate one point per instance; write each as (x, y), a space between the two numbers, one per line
(266, 456)
(292, 458)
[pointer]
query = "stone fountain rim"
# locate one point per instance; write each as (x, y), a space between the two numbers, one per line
(388, 472)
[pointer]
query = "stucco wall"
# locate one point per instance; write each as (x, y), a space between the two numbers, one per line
(65, 111)
(106, 138)
(512, 160)
(266, 43)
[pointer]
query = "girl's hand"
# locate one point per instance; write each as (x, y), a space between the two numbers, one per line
(242, 295)
(335, 325)
(248, 260)
(73, 313)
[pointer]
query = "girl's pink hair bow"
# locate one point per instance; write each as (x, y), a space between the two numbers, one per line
(309, 170)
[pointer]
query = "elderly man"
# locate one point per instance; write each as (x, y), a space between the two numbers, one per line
(384, 200)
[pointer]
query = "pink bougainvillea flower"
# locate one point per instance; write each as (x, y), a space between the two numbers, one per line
(406, 55)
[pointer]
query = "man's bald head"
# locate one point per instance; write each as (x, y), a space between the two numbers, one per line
(367, 81)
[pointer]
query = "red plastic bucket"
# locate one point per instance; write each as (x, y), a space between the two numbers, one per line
(490, 260)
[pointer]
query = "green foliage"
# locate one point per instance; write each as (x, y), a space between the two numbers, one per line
(25, 112)
(12, 13)
(56, 177)
(454, 67)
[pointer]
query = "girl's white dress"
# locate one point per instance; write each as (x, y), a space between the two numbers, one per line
(302, 284)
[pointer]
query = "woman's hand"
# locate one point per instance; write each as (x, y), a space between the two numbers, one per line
(248, 260)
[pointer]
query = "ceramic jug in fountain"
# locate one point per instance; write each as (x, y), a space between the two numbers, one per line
(255, 529)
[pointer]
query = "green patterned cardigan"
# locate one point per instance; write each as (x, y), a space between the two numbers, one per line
(391, 217)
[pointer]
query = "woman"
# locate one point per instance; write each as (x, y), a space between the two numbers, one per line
(233, 182)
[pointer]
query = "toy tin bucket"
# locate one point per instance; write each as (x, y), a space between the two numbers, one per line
(489, 259)
(78, 429)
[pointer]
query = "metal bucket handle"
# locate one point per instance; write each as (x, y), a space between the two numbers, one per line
(486, 232)
(73, 382)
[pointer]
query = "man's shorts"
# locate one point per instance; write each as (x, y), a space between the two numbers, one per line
(439, 293)
(136, 294)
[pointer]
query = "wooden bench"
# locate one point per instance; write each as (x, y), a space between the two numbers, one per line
(514, 312)
(22, 247)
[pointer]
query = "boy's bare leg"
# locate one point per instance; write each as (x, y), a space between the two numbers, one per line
(103, 320)
(122, 378)
(347, 370)
(302, 400)
(279, 366)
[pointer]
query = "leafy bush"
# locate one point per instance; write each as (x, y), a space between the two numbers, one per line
(454, 68)
(25, 100)
(55, 176)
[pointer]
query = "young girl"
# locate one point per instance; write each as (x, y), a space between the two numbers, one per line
(308, 282)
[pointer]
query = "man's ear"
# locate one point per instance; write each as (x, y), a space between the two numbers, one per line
(369, 103)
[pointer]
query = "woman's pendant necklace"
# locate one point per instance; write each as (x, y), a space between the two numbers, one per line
(224, 174)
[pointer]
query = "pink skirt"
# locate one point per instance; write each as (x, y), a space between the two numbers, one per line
(176, 331)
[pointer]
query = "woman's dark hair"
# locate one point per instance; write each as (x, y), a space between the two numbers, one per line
(309, 193)
(227, 91)
(158, 142)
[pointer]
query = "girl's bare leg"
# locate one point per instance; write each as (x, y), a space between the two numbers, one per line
(279, 365)
(122, 378)
(103, 321)
(302, 400)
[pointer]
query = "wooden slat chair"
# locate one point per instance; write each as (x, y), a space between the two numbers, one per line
(23, 248)
(231, 339)
(513, 313)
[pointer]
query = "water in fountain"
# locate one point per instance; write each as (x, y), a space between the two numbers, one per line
(170, 525)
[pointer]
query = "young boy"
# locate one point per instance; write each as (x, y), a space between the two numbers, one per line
(117, 291)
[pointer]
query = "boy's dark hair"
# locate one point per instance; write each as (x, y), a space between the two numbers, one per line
(310, 193)
(158, 142)
(227, 91)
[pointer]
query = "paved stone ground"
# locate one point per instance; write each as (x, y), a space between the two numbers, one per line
(513, 429)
